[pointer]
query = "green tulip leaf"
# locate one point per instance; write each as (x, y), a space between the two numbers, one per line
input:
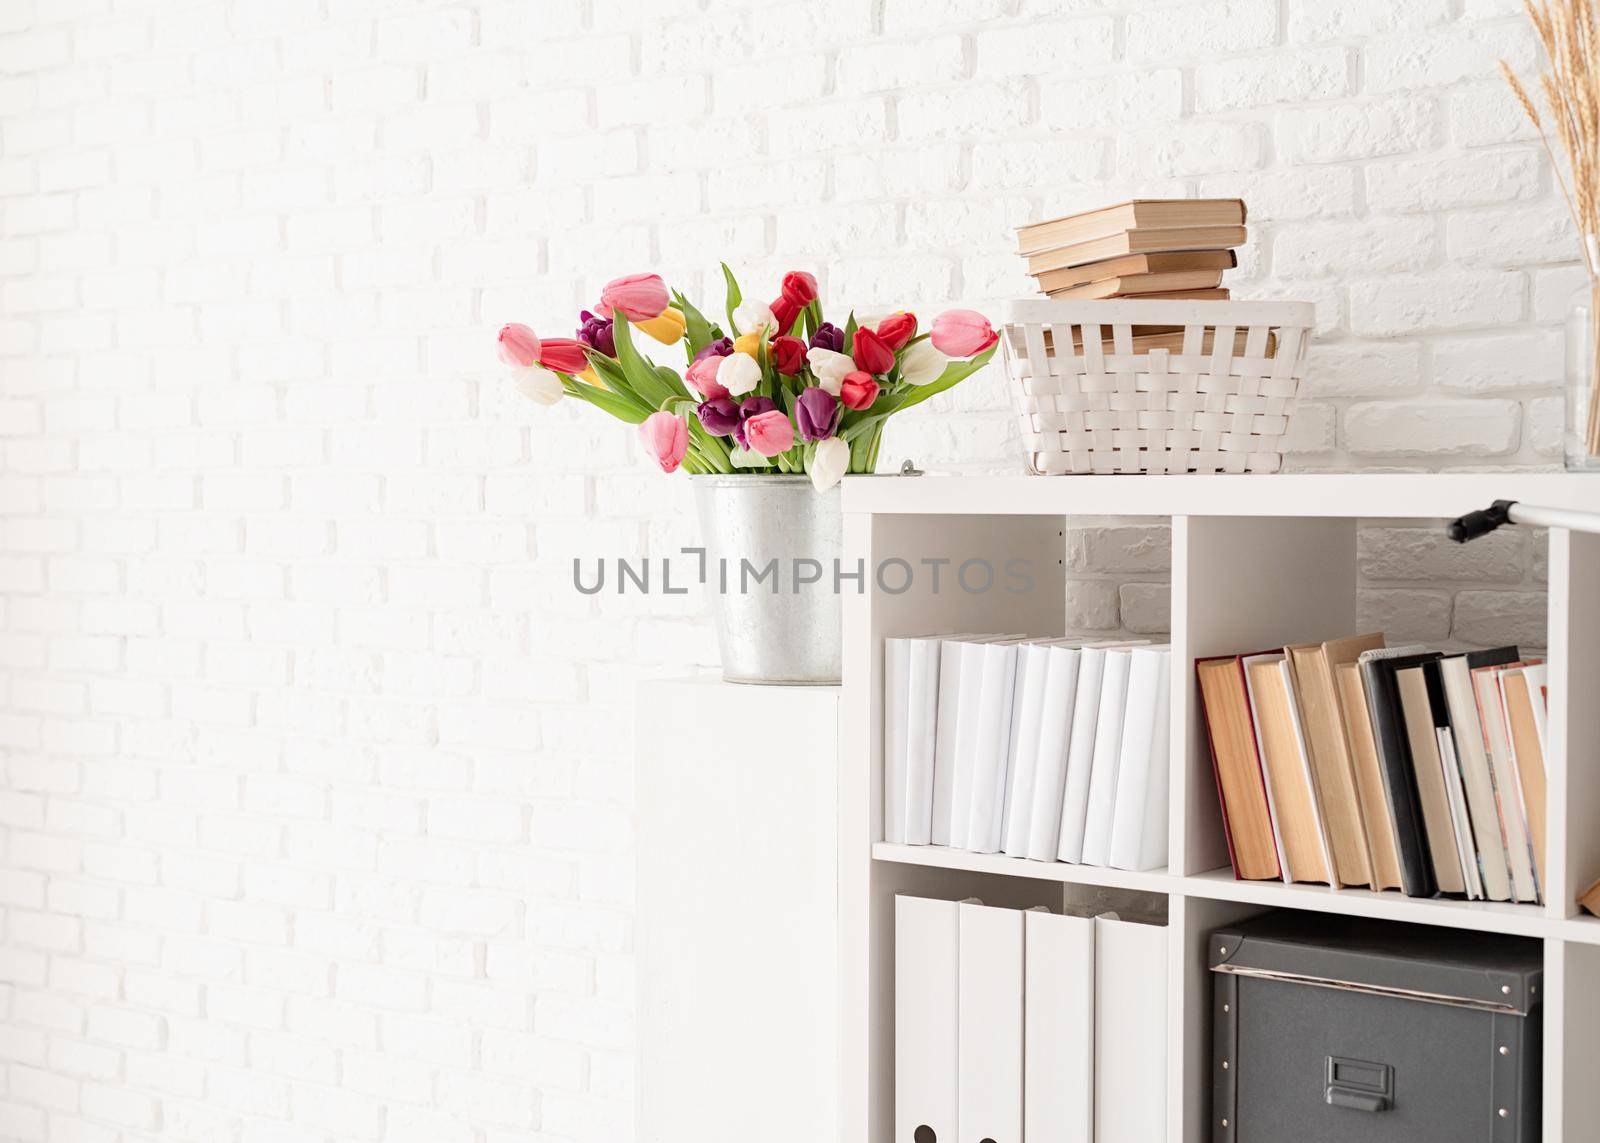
(622, 408)
(697, 330)
(744, 458)
(735, 297)
(640, 374)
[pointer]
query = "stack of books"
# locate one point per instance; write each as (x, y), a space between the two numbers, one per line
(1147, 248)
(1352, 763)
(1038, 748)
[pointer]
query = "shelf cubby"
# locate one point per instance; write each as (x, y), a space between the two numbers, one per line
(1257, 562)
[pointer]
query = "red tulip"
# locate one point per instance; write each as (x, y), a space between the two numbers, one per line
(800, 288)
(784, 311)
(897, 329)
(788, 355)
(962, 333)
(519, 346)
(870, 352)
(638, 297)
(858, 390)
(564, 355)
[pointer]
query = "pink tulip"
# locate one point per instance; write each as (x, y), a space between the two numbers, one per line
(638, 297)
(666, 439)
(769, 433)
(519, 346)
(702, 378)
(962, 333)
(564, 355)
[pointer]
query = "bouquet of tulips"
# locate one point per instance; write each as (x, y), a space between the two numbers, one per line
(784, 392)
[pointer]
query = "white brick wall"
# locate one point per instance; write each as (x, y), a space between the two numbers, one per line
(315, 803)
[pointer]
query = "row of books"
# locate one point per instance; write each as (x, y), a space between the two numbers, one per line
(1351, 763)
(1012, 1024)
(1148, 248)
(1039, 748)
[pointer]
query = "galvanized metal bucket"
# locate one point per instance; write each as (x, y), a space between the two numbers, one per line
(773, 545)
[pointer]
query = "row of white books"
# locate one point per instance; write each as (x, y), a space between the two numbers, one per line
(1040, 748)
(1028, 1025)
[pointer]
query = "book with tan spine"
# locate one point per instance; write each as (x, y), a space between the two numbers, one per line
(1292, 792)
(1138, 214)
(1253, 843)
(1134, 266)
(1137, 242)
(1363, 744)
(1312, 667)
(1141, 285)
(1520, 690)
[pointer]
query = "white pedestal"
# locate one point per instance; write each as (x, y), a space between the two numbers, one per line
(736, 789)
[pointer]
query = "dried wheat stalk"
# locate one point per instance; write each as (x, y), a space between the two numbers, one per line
(1570, 34)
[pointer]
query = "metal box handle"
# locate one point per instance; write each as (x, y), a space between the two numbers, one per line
(1359, 1085)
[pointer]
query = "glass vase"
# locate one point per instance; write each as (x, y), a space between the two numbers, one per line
(1580, 437)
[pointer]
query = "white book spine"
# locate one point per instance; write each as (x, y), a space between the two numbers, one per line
(995, 718)
(1139, 823)
(1033, 662)
(944, 740)
(1476, 780)
(1107, 758)
(1538, 677)
(926, 1016)
(1080, 753)
(1130, 1032)
(896, 687)
(1058, 1029)
(922, 713)
(1055, 737)
(989, 1048)
(1466, 846)
(968, 737)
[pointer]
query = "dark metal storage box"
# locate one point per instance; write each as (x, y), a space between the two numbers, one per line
(1340, 1030)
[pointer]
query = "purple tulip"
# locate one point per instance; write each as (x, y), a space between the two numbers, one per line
(828, 336)
(721, 347)
(751, 407)
(719, 416)
(597, 334)
(817, 412)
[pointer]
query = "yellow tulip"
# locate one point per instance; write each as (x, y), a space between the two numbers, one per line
(749, 343)
(667, 327)
(590, 377)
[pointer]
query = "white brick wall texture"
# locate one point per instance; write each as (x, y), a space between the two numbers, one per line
(315, 811)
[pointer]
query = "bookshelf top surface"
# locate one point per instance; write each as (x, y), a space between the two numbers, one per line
(1373, 495)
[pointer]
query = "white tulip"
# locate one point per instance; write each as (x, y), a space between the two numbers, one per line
(830, 368)
(828, 463)
(540, 386)
(748, 317)
(739, 374)
(922, 364)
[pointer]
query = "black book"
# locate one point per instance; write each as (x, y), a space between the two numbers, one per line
(1394, 759)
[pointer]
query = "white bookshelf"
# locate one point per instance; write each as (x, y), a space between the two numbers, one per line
(1256, 561)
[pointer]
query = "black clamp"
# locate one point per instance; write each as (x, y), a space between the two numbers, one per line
(1480, 523)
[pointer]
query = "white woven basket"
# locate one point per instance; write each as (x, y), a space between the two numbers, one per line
(1219, 402)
